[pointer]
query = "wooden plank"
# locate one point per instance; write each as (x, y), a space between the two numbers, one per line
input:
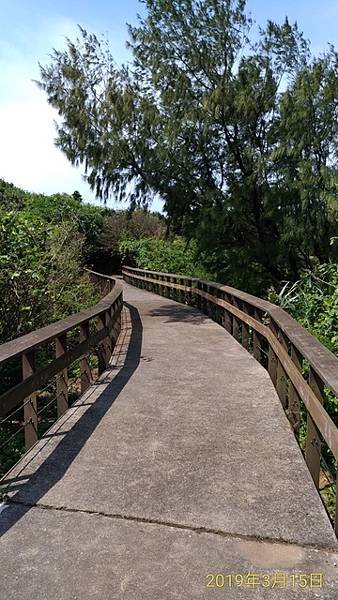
(236, 324)
(313, 441)
(31, 341)
(13, 397)
(272, 366)
(322, 420)
(131, 271)
(62, 377)
(256, 341)
(236, 328)
(30, 407)
(319, 415)
(294, 399)
(84, 362)
(245, 329)
(281, 377)
(167, 284)
(320, 358)
(324, 362)
(102, 349)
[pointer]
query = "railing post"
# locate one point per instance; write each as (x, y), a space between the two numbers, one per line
(236, 325)
(227, 318)
(30, 407)
(199, 297)
(294, 399)
(282, 381)
(272, 358)
(313, 441)
(114, 334)
(172, 290)
(272, 366)
(84, 362)
(62, 377)
(218, 315)
(102, 348)
(256, 339)
(275, 367)
(108, 341)
(245, 329)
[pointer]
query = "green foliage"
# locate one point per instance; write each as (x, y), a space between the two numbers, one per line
(237, 135)
(11, 453)
(176, 256)
(11, 197)
(313, 301)
(23, 274)
(134, 225)
(41, 259)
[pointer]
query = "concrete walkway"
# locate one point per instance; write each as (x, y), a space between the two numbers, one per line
(177, 465)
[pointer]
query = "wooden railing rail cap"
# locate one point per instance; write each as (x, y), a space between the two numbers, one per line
(254, 301)
(30, 341)
(321, 359)
(125, 267)
(323, 362)
(102, 275)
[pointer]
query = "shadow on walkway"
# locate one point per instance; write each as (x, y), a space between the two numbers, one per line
(57, 463)
(179, 314)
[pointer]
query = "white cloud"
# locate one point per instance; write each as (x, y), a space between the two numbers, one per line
(28, 155)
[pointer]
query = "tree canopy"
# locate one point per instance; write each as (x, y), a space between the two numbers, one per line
(234, 127)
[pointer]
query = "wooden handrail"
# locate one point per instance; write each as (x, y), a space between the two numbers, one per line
(250, 320)
(106, 316)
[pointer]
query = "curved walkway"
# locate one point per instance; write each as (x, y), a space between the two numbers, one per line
(177, 464)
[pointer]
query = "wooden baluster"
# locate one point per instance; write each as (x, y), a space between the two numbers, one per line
(62, 377)
(173, 290)
(118, 307)
(198, 297)
(294, 399)
(272, 359)
(207, 302)
(272, 366)
(108, 341)
(180, 291)
(84, 362)
(218, 315)
(227, 317)
(245, 329)
(101, 350)
(282, 380)
(236, 324)
(204, 301)
(313, 441)
(30, 407)
(256, 338)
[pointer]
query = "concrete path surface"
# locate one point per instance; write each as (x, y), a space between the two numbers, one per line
(176, 476)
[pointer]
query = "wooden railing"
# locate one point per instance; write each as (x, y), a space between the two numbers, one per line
(301, 368)
(91, 331)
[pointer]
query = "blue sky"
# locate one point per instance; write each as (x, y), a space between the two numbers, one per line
(29, 30)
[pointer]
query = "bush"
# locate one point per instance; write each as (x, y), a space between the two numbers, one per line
(176, 256)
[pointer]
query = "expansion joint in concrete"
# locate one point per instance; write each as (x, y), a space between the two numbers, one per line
(173, 525)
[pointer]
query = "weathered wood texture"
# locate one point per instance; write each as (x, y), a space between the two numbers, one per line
(105, 317)
(250, 320)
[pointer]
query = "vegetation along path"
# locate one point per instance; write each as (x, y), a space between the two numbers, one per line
(178, 464)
